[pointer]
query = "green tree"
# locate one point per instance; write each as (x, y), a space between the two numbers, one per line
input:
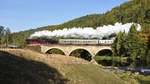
(1, 33)
(6, 38)
(131, 44)
(118, 45)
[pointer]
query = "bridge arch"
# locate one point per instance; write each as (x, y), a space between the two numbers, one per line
(102, 49)
(104, 57)
(90, 50)
(107, 52)
(55, 49)
(82, 53)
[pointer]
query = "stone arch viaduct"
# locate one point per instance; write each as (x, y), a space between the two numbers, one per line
(67, 49)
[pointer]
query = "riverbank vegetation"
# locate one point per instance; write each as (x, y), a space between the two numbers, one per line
(135, 46)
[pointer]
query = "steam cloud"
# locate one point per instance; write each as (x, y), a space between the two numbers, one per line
(87, 32)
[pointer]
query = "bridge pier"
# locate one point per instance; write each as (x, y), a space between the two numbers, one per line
(67, 53)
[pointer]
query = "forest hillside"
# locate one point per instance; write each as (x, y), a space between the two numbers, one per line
(137, 11)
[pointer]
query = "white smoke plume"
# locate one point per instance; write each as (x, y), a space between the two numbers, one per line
(87, 32)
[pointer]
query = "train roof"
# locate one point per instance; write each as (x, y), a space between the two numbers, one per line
(78, 39)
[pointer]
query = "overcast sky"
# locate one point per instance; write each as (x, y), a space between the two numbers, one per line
(21, 15)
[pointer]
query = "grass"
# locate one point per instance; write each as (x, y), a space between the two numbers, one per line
(102, 58)
(144, 79)
(90, 74)
(20, 66)
(117, 58)
(18, 70)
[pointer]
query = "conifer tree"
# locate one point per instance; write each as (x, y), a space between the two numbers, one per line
(131, 44)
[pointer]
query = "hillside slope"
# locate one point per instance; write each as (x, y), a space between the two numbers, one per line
(27, 67)
(137, 11)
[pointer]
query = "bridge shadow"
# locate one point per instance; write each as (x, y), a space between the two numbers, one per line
(18, 70)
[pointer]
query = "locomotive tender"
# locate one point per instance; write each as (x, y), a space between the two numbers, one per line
(68, 42)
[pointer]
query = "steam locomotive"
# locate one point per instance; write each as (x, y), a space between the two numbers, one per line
(67, 42)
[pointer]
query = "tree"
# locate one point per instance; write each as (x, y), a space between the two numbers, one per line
(131, 44)
(7, 36)
(118, 47)
(1, 33)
